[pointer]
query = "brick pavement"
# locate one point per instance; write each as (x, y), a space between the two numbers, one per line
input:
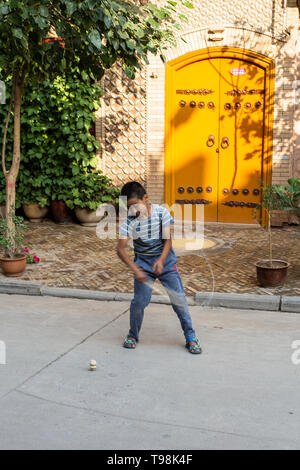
(73, 256)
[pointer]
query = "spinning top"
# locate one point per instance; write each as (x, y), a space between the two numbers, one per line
(93, 365)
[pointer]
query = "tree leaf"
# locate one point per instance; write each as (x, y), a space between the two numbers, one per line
(95, 39)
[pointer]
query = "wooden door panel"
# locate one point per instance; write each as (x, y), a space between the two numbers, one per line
(241, 121)
(194, 159)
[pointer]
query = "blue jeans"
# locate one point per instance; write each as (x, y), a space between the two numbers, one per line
(171, 280)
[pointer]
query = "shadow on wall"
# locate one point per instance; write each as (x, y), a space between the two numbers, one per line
(123, 126)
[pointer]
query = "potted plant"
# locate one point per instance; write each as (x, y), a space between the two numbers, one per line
(290, 197)
(13, 261)
(32, 190)
(61, 200)
(89, 192)
(271, 272)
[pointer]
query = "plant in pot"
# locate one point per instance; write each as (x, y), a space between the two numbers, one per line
(290, 197)
(34, 197)
(62, 200)
(270, 272)
(90, 191)
(13, 261)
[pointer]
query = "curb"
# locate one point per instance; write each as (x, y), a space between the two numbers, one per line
(102, 295)
(205, 299)
(12, 286)
(241, 301)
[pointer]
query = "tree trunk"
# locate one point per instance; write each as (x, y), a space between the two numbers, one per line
(270, 238)
(11, 175)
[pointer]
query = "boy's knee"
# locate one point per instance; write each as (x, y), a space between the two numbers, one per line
(139, 303)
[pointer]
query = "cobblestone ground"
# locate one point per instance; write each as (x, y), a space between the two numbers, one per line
(73, 256)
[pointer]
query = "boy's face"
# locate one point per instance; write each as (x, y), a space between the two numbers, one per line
(138, 207)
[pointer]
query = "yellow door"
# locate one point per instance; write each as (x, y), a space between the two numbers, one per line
(195, 127)
(216, 138)
(242, 86)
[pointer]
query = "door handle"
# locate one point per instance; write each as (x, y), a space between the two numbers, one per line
(225, 142)
(210, 140)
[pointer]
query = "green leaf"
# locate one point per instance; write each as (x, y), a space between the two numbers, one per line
(95, 39)
(188, 4)
(71, 7)
(18, 33)
(4, 9)
(131, 44)
(107, 21)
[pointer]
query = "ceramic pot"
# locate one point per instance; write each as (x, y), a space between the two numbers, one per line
(34, 212)
(87, 217)
(13, 267)
(271, 276)
(61, 212)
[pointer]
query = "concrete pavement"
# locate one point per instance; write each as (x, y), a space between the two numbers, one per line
(241, 393)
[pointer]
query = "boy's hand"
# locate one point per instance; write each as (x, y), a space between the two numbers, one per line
(158, 266)
(140, 275)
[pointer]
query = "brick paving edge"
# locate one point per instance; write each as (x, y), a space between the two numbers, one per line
(204, 299)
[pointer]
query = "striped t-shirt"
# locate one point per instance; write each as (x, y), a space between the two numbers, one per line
(147, 233)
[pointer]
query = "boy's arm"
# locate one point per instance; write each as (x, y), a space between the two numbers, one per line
(166, 235)
(122, 253)
(158, 266)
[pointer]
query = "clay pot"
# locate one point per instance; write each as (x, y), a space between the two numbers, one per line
(13, 267)
(61, 212)
(271, 276)
(87, 217)
(34, 212)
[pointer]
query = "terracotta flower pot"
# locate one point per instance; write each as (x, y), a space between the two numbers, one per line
(271, 276)
(87, 217)
(13, 267)
(34, 212)
(61, 212)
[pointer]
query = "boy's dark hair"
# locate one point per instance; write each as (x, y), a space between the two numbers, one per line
(133, 189)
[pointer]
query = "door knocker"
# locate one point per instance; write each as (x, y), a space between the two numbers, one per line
(210, 140)
(225, 142)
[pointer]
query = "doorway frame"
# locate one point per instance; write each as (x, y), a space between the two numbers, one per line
(267, 63)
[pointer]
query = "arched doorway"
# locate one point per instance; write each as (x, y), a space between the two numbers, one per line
(218, 135)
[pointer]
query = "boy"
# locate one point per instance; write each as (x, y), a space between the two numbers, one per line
(149, 226)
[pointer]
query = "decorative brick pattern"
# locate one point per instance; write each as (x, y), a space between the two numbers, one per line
(262, 15)
(121, 127)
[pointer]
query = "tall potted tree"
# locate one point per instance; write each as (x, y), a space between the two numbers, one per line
(270, 272)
